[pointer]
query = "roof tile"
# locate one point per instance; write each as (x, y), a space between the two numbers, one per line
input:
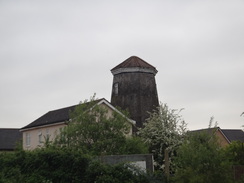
(55, 116)
(134, 61)
(233, 134)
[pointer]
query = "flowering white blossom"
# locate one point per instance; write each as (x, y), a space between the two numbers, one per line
(164, 129)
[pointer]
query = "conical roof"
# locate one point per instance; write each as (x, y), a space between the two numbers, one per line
(132, 64)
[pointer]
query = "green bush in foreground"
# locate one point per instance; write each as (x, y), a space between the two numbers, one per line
(201, 159)
(61, 166)
(42, 166)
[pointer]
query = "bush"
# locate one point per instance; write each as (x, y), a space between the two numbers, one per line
(102, 173)
(57, 166)
(200, 159)
(43, 166)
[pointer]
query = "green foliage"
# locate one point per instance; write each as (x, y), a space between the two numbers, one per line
(42, 166)
(200, 159)
(94, 131)
(101, 173)
(163, 130)
(61, 166)
(235, 153)
(135, 145)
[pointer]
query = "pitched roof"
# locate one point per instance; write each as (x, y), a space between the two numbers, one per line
(233, 134)
(9, 137)
(134, 61)
(208, 131)
(55, 116)
(61, 115)
(229, 134)
(52, 117)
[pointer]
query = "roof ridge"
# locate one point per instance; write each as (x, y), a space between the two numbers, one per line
(97, 100)
(62, 108)
(134, 61)
(212, 128)
(56, 115)
(142, 61)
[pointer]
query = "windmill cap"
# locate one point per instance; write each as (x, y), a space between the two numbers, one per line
(134, 64)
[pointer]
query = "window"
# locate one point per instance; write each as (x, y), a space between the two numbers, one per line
(40, 137)
(47, 134)
(116, 88)
(28, 139)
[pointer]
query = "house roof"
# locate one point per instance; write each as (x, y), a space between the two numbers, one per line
(9, 137)
(230, 134)
(209, 131)
(52, 117)
(134, 62)
(62, 115)
(233, 134)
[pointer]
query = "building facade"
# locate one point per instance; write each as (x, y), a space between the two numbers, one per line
(49, 125)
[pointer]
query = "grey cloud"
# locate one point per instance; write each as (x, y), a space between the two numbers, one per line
(56, 53)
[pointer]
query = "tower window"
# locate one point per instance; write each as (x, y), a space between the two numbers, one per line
(116, 88)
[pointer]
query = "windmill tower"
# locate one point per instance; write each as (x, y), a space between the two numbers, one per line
(134, 88)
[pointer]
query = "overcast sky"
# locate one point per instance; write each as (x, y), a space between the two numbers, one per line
(55, 53)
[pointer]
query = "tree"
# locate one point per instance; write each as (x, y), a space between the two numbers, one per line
(95, 132)
(163, 130)
(201, 159)
(235, 152)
